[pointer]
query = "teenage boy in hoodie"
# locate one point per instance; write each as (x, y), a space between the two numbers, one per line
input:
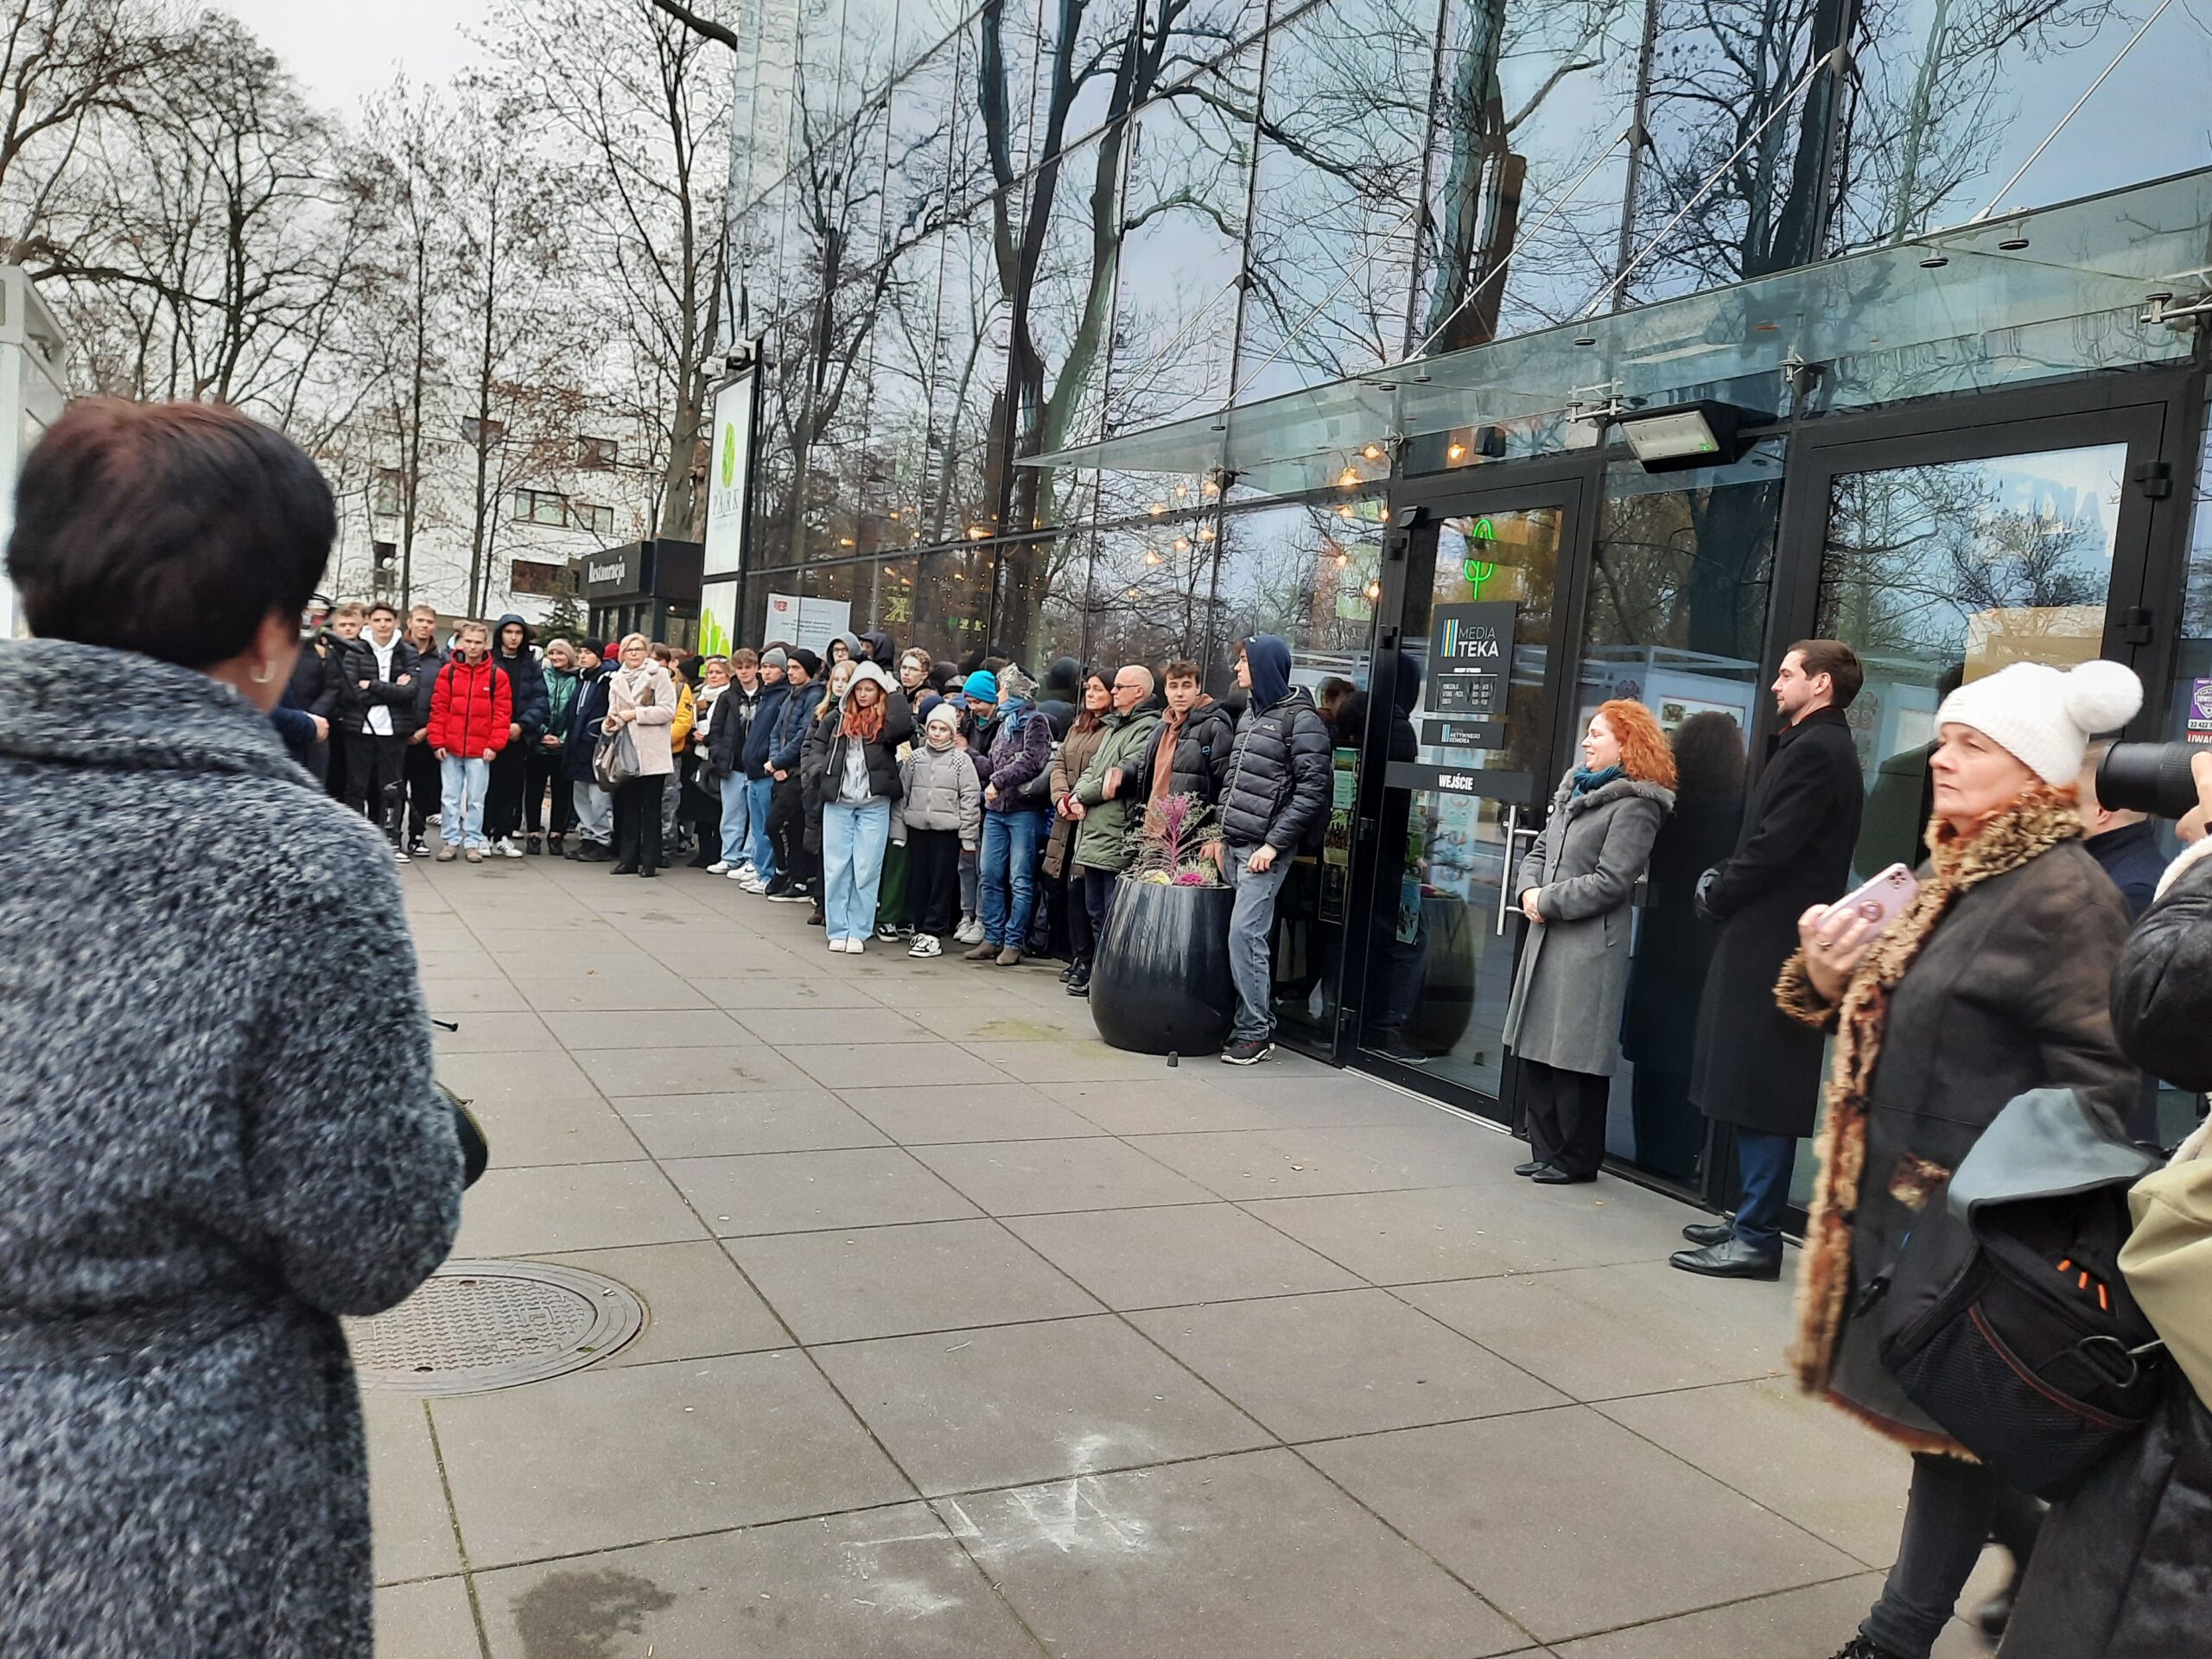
(940, 813)
(512, 655)
(755, 866)
(595, 806)
(728, 729)
(1275, 797)
(787, 799)
(472, 710)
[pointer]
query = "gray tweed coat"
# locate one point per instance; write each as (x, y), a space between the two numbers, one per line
(217, 1132)
(1572, 980)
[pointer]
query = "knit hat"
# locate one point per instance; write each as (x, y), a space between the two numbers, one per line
(809, 661)
(2044, 716)
(942, 713)
(775, 657)
(1015, 685)
(982, 686)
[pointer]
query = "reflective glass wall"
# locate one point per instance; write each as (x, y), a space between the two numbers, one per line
(971, 236)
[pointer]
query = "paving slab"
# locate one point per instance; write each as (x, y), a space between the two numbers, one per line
(1190, 1253)
(652, 1028)
(743, 1068)
(876, 1065)
(697, 1302)
(765, 988)
(921, 1114)
(583, 1129)
(1023, 1178)
(625, 1454)
(1248, 1557)
(890, 1584)
(572, 1207)
(767, 1120)
(807, 1191)
(965, 1409)
(410, 1525)
(787, 1027)
(1276, 1164)
(428, 1620)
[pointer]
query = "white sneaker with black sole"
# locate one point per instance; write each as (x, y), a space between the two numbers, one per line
(746, 871)
(926, 944)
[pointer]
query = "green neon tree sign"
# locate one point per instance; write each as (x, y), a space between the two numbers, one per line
(1477, 571)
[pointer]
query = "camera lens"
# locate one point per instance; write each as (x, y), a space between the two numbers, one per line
(2151, 777)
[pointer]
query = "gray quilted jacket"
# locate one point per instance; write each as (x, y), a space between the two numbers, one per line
(942, 792)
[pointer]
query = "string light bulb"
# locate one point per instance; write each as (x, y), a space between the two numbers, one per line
(1456, 452)
(1349, 479)
(1182, 544)
(1373, 451)
(1152, 556)
(1158, 509)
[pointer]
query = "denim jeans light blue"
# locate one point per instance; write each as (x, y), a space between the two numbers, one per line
(763, 852)
(1251, 938)
(460, 811)
(853, 839)
(1008, 868)
(737, 822)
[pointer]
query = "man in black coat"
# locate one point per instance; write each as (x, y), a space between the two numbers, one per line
(377, 713)
(421, 784)
(1273, 801)
(1757, 1069)
(315, 680)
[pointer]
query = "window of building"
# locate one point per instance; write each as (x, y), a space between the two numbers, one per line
(479, 433)
(540, 507)
(597, 519)
(389, 492)
(596, 454)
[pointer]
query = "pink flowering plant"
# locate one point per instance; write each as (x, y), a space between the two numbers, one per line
(1180, 844)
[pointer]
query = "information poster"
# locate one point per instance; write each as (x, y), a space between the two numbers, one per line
(1470, 663)
(809, 622)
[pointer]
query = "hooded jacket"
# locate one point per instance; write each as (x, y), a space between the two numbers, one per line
(761, 730)
(882, 753)
(882, 651)
(583, 725)
(730, 720)
(528, 675)
(357, 661)
(562, 686)
(471, 707)
(793, 721)
(938, 791)
(1017, 750)
(1277, 791)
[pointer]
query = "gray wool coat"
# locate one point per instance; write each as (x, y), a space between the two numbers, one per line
(218, 1133)
(1572, 980)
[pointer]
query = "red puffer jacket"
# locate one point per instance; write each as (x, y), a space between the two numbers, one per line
(470, 707)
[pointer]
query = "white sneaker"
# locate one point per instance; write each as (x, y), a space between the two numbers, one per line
(838, 945)
(926, 944)
(399, 856)
(720, 867)
(855, 947)
(506, 849)
(971, 931)
(744, 872)
(752, 883)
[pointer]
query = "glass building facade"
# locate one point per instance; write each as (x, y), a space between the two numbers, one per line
(1118, 333)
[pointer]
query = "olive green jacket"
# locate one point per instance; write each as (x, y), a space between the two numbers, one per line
(1111, 829)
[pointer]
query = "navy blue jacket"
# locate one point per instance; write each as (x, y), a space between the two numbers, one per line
(792, 724)
(583, 726)
(760, 735)
(2131, 857)
(527, 675)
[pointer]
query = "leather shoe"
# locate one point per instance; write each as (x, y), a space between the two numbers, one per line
(1552, 1175)
(1733, 1260)
(1530, 1168)
(1709, 1232)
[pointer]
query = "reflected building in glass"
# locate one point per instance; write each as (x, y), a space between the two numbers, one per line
(1117, 332)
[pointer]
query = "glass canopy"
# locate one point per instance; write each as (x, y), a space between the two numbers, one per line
(2034, 295)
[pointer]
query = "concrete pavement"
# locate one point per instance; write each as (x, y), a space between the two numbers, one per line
(971, 1337)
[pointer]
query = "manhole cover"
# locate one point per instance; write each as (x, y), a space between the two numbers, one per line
(474, 1325)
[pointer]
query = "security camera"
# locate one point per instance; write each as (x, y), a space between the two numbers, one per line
(740, 359)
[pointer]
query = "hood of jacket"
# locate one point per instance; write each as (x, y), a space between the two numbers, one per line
(882, 651)
(853, 646)
(58, 702)
(528, 636)
(1270, 658)
(870, 671)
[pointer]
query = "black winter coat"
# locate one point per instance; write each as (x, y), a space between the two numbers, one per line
(316, 682)
(357, 661)
(735, 714)
(583, 726)
(1756, 1066)
(1203, 754)
(1277, 791)
(761, 734)
(1674, 947)
(2120, 1569)
(527, 675)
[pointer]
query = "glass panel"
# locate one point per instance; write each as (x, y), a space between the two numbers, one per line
(968, 412)
(993, 130)
(718, 633)
(1936, 574)
(919, 187)
(924, 25)
(884, 598)
(1150, 586)
(952, 601)
(1306, 574)
(1675, 618)
(1440, 957)
(1340, 193)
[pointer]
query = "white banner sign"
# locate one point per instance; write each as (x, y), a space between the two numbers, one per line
(728, 469)
(809, 622)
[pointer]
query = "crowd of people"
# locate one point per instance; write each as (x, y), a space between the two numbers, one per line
(213, 1155)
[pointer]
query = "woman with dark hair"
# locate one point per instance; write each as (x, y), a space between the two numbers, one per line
(1674, 949)
(1094, 697)
(1563, 1020)
(217, 1141)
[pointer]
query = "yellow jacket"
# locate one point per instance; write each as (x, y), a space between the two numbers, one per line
(686, 712)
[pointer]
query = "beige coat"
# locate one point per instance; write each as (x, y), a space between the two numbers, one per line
(649, 691)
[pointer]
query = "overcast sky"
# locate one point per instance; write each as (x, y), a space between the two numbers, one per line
(343, 52)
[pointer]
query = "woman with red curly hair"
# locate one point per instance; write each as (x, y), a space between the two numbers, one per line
(1564, 1022)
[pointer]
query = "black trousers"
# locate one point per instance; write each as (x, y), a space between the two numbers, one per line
(542, 772)
(1083, 939)
(1566, 1116)
(933, 880)
(373, 769)
(787, 832)
(424, 786)
(1953, 1510)
(636, 821)
(502, 795)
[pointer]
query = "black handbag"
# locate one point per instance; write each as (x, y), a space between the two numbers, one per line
(475, 1150)
(2005, 1317)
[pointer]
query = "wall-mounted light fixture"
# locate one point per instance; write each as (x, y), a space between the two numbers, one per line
(1681, 436)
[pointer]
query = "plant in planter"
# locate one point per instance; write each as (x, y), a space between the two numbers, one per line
(1160, 983)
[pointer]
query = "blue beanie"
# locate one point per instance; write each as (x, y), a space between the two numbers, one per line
(982, 686)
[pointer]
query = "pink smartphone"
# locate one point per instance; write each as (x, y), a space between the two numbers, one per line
(1880, 901)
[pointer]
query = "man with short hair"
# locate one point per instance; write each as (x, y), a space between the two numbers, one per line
(376, 715)
(345, 628)
(796, 867)
(472, 712)
(595, 806)
(757, 867)
(2124, 843)
(1108, 801)
(735, 710)
(1755, 1068)
(316, 679)
(1274, 800)
(421, 783)
(1190, 752)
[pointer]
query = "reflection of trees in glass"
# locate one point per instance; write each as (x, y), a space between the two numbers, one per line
(1303, 572)
(1913, 554)
(1671, 570)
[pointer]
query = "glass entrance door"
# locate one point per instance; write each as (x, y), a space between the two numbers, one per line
(1465, 709)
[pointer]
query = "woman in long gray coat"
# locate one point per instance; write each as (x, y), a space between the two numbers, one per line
(1575, 887)
(218, 1126)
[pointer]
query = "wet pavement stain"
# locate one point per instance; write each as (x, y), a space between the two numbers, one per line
(1015, 1031)
(580, 1615)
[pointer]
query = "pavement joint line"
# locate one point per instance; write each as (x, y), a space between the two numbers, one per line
(459, 1543)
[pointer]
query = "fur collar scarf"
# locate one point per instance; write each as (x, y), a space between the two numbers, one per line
(2031, 826)
(1564, 799)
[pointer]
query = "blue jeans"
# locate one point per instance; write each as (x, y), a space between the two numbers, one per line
(1251, 939)
(853, 839)
(737, 822)
(763, 852)
(1009, 861)
(460, 813)
(1763, 1161)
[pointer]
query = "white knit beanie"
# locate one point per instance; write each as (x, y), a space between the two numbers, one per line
(2045, 717)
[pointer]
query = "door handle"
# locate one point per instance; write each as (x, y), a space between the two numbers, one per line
(1513, 831)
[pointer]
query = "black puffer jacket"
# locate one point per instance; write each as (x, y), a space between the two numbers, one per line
(2120, 1568)
(357, 660)
(1204, 751)
(1276, 793)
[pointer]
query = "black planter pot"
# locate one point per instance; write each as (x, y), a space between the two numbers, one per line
(1160, 982)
